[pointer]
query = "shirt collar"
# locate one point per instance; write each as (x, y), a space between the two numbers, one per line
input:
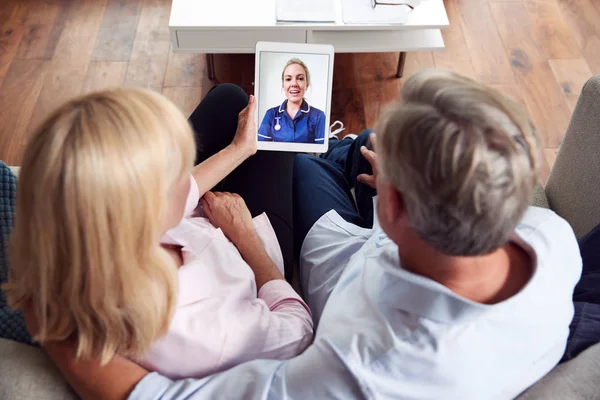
(305, 107)
(418, 295)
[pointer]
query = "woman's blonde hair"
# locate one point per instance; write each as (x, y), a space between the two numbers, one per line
(300, 63)
(91, 204)
(463, 156)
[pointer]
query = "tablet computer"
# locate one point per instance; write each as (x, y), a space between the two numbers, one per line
(292, 87)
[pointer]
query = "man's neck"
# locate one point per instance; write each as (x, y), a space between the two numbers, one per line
(486, 279)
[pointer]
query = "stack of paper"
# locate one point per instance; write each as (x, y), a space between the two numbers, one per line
(305, 10)
(385, 12)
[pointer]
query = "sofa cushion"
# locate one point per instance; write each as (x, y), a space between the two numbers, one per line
(578, 379)
(11, 321)
(27, 373)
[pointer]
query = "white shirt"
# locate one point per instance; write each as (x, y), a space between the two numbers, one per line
(386, 333)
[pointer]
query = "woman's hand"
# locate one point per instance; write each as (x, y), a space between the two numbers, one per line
(245, 136)
(371, 156)
(229, 212)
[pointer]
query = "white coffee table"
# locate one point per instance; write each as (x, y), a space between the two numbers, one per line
(234, 26)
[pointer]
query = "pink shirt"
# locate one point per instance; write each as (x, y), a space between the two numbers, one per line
(221, 320)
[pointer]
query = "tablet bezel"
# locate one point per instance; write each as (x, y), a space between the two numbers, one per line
(294, 49)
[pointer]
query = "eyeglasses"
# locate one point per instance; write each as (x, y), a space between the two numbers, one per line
(375, 3)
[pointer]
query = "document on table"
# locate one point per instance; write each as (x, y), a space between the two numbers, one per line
(306, 10)
(385, 11)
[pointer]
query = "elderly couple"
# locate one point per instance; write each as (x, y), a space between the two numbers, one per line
(136, 269)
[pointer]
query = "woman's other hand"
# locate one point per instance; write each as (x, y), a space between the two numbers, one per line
(245, 136)
(371, 156)
(229, 212)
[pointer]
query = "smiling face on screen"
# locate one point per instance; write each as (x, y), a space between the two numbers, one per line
(295, 83)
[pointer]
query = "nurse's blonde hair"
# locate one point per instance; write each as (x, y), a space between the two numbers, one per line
(301, 63)
(92, 200)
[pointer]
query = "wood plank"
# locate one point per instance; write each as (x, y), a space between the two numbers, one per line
(117, 33)
(59, 25)
(186, 98)
(12, 27)
(542, 95)
(513, 91)
(584, 20)
(185, 69)
(18, 96)
(571, 75)
(149, 57)
(549, 29)
(456, 56)
(72, 57)
(378, 84)
(104, 74)
(347, 99)
(484, 42)
(38, 29)
(550, 156)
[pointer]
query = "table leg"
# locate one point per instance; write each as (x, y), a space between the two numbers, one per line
(401, 62)
(210, 63)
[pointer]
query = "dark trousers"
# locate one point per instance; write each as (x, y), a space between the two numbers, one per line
(264, 180)
(585, 328)
(324, 183)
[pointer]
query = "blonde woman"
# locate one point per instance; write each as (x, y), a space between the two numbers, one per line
(107, 247)
(294, 120)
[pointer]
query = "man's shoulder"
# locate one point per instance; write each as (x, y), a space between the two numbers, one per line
(544, 227)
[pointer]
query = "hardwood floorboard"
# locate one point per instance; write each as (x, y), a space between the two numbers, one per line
(571, 75)
(456, 56)
(18, 96)
(549, 29)
(584, 20)
(150, 53)
(104, 74)
(186, 98)
(542, 94)
(64, 14)
(478, 26)
(185, 69)
(117, 33)
(69, 66)
(12, 28)
(39, 25)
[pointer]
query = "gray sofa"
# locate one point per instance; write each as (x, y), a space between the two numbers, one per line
(572, 191)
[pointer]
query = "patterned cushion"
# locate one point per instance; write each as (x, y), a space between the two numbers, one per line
(12, 325)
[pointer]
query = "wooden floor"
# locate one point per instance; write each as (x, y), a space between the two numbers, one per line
(538, 51)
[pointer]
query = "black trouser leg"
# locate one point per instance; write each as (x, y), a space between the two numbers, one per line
(264, 180)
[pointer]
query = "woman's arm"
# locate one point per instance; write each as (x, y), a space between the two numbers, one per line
(89, 379)
(212, 171)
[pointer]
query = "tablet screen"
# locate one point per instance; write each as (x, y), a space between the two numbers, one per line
(293, 95)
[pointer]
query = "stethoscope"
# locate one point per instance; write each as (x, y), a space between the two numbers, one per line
(277, 124)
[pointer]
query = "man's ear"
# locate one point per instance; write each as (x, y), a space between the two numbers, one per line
(395, 209)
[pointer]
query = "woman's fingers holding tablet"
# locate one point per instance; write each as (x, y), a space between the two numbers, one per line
(245, 136)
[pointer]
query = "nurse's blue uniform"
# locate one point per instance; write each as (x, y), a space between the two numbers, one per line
(308, 125)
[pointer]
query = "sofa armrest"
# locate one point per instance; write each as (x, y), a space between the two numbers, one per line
(27, 373)
(539, 197)
(578, 379)
(573, 188)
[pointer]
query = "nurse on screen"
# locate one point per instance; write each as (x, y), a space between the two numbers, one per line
(294, 120)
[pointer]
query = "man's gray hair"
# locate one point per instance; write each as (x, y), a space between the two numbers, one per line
(463, 156)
